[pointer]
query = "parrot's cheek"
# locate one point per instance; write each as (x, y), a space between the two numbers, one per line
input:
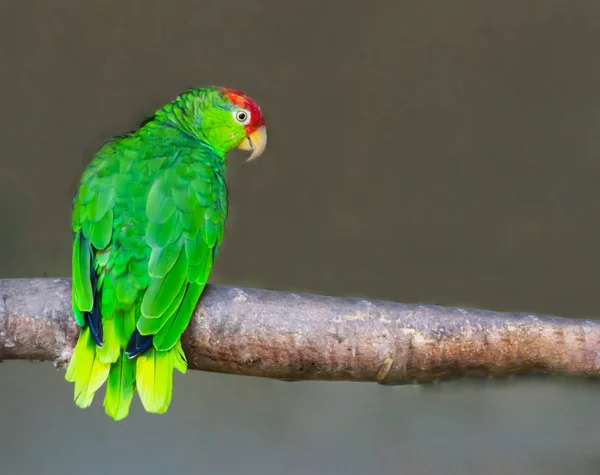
(256, 142)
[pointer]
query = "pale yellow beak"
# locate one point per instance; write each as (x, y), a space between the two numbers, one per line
(256, 143)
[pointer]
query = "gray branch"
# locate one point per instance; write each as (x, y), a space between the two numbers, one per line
(294, 336)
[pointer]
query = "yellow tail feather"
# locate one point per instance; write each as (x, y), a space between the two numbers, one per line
(151, 374)
(86, 370)
(154, 372)
(120, 388)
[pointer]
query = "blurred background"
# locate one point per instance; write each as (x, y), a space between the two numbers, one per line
(436, 152)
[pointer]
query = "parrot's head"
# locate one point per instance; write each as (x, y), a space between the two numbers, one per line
(248, 127)
(222, 117)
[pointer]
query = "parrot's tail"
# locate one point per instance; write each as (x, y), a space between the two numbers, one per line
(151, 373)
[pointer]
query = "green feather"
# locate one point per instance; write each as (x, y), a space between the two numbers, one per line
(111, 347)
(210, 231)
(185, 199)
(101, 231)
(130, 317)
(84, 194)
(162, 291)
(150, 326)
(197, 251)
(120, 388)
(119, 263)
(109, 297)
(160, 235)
(78, 314)
(99, 205)
(200, 255)
(204, 191)
(86, 226)
(77, 210)
(192, 222)
(203, 185)
(156, 164)
(168, 335)
(180, 363)
(163, 259)
(126, 291)
(101, 259)
(160, 205)
(82, 285)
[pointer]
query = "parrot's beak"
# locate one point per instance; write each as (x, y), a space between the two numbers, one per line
(256, 143)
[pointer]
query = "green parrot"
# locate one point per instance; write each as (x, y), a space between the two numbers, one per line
(148, 220)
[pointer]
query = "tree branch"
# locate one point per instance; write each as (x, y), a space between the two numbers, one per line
(293, 336)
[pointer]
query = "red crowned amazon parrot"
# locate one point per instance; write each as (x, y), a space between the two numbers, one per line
(148, 220)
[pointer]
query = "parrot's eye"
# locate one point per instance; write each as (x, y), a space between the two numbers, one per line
(242, 116)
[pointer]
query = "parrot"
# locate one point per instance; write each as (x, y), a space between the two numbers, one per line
(148, 220)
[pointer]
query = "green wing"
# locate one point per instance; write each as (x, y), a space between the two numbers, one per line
(92, 224)
(186, 211)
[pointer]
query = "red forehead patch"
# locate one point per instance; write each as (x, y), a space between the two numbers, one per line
(242, 100)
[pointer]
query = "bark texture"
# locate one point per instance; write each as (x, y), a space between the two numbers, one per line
(293, 336)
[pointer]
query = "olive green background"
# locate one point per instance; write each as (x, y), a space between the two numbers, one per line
(433, 151)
